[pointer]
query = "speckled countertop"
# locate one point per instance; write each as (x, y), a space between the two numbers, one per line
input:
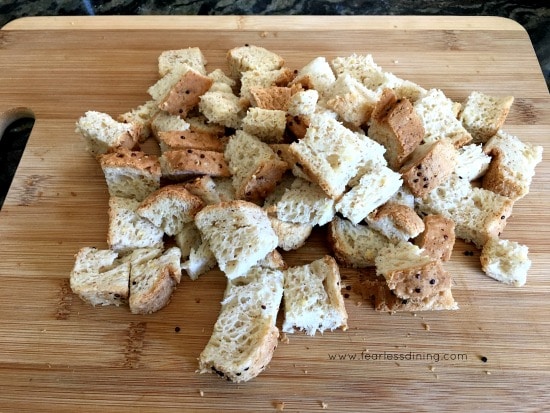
(534, 16)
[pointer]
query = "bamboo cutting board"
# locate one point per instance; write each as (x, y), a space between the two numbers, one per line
(59, 354)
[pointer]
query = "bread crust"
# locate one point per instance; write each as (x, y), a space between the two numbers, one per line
(179, 164)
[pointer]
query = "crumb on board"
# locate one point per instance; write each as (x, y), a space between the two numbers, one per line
(426, 326)
(432, 368)
(279, 406)
(201, 392)
(324, 405)
(284, 338)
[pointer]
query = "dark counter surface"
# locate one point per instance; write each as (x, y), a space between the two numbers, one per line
(534, 16)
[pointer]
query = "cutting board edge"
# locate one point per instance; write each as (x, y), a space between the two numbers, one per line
(242, 22)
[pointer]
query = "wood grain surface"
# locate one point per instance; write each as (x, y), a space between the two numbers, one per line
(59, 354)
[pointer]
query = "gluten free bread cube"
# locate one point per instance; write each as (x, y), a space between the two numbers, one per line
(312, 297)
(239, 234)
(505, 261)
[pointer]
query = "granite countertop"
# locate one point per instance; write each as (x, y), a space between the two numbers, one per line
(534, 16)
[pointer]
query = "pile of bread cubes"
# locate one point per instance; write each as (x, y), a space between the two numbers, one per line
(252, 158)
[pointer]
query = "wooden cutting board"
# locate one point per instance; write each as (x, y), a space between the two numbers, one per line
(59, 354)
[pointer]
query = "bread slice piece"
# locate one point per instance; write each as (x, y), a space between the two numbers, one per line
(245, 335)
(221, 82)
(130, 174)
(187, 163)
(103, 134)
(190, 139)
(505, 261)
(266, 124)
(153, 281)
(438, 237)
(373, 189)
(185, 94)
(99, 278)
(410, 273)
(170, 207)
(127, 230)
(312, 297)
(200, 260)
(354, 245)
(162, 86)
(361, 67)
(170, 60)
(245, 58)
(429, 165)
(512, 166)
(395, 221)
(291, 235)
(256, 169)
(329, 154)
(478, 214)
(439, 120)
(246, 223)
(483, 115)
(395, 125)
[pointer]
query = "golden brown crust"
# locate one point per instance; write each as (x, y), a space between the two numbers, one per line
(186, 93)
(263, 181)
(438, 238)
(189, 162)
(297, 125)
(190, 139)
(124, 157)
(396, 125)
(497, 180)
(273, 97)
(429, 167)
(404, 218)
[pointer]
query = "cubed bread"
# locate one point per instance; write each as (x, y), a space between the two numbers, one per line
(185, 94)
(438, 237)
(483, 115)
(153, 281)
(164, 122)
(291, 235)
(245, 334)
(99, 278)
(395, 125)
(303, 103)
(411, 274)
(130, 174)
(395, 221)
(184, 164)
(246, 58)
(429, 165)
(162, 86)
(271, 97)
(256, 169)
(305, 203)
(361, 67)
(141, 117)
(103, 134)
(170, 207)
(201, 260)
(221, 82)
(329, 154)
(316, 74)
(266, 124)
(351, 100)
(200, 123)
(385, 300)
(479, 214)
(170, 60)
(223, 108)
(505, 261)
(373, 189)
(512, 165)
(354, 245)
(190, 139)
(313, 299)
(439, 120)
(247, 223)
(127, 230)
(253, 79)
(471, 162)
